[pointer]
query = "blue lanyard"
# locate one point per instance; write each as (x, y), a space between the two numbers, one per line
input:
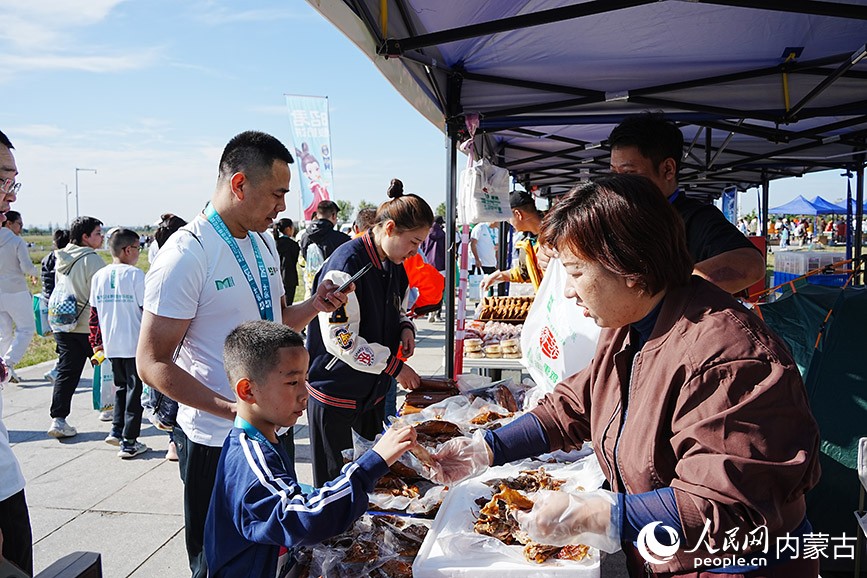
(674, 196)
(263, 297)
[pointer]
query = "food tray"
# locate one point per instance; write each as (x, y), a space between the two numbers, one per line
(452, 549)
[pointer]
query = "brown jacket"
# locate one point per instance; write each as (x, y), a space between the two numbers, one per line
(716, 409)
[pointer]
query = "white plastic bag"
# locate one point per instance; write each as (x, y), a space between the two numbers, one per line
(63, 310)
(557, 340)
(483, 194)
(103, 386)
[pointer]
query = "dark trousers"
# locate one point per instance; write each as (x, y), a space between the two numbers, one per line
(331, 433)
(73, 351)
(17, 537)
(126, 423)
(198, 469)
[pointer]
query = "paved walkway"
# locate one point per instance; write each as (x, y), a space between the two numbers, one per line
(83, 497)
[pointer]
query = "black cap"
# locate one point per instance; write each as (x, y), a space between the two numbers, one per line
(520, 198)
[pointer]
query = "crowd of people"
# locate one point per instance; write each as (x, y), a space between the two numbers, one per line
(688, 400)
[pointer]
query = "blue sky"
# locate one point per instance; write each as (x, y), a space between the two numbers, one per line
(149, 92)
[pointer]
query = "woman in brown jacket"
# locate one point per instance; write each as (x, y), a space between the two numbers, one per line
(696, 410)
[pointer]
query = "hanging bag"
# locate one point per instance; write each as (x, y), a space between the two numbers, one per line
(483, 194)
(557, 340)
(40, 314)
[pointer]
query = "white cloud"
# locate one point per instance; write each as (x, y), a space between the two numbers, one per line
(214, 14)
(56, 61)
(37, 24)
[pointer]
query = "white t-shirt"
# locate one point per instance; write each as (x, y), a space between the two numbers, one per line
(117, 292)
(205, 283)
(11, 478)
(484, 236)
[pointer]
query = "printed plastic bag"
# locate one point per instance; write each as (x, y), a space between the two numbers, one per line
(557, 340)
(40, 314)
(103, 387)
(63, 311)
(483, 194)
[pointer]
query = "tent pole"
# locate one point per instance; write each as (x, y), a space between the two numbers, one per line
(451, 248)
(763, 219)
(859, 216)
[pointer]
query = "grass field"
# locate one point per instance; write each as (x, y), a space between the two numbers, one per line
(42, 348)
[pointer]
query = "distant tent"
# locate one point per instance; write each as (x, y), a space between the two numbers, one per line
(797, 206)
(827, 207)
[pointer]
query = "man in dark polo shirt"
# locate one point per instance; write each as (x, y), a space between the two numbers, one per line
(651, 146)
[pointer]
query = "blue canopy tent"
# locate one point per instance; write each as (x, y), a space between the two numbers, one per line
(827, 207)
(797, 206)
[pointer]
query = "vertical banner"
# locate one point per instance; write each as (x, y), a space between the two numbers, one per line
(730, 204)
(311, 137)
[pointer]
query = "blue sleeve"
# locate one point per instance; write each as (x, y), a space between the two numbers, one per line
(275, 511)
(523, 438)
(642, 509)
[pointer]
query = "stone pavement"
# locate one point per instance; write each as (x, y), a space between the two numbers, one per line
(83, 497)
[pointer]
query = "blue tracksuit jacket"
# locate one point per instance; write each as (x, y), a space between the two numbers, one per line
(258, 513)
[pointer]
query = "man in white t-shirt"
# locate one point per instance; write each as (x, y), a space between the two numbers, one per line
(212, 275)
(116, 299)
(483, 244)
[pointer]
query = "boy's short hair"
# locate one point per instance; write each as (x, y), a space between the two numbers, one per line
(365, 219)
(121, 239)
(82, 226)
(252, 349)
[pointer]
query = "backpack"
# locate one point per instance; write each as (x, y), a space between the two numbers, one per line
(63, 312)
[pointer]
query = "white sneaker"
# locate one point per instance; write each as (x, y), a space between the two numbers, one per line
(132, 450)
(107, 415)
(61, 429)
(112, 440)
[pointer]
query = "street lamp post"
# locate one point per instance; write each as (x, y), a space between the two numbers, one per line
(77, 170)
(66, 202)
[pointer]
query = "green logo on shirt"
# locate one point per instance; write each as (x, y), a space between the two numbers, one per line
(225, 283)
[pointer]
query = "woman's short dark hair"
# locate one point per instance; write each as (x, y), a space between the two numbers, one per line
(624, 223)
(281, 226)
(407, 211)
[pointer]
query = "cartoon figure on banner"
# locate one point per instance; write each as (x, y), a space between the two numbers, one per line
(312, 171)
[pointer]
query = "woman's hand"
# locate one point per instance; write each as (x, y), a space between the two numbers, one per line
(560, 518)
(460, 458)
(408, 378)
(407, 342)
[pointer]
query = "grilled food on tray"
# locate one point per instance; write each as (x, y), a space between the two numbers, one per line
(496, 517)
(509, 308)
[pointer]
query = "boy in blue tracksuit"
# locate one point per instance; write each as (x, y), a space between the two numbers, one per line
(258, 513)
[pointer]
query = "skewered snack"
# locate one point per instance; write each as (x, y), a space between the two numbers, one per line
(504, 308)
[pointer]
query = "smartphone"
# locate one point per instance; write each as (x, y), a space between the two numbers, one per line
(354, 278)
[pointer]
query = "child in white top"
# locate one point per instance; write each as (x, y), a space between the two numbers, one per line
(116, 298)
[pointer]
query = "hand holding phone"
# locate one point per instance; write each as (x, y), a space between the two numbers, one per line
(354, 278)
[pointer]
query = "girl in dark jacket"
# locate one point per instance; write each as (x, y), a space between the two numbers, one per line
(354, 350)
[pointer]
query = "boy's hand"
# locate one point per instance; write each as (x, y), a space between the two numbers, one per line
(394, 443)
